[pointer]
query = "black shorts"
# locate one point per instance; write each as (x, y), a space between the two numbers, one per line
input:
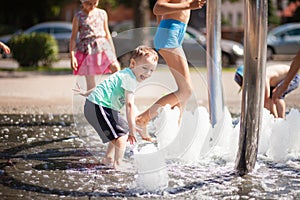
(108, 123)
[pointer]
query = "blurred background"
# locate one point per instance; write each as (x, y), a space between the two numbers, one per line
(21, 16)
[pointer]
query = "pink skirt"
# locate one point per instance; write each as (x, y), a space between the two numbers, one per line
(92, 64)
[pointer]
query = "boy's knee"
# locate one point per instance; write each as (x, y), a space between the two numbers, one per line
(186, 93)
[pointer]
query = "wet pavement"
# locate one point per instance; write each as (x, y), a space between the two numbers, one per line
(42, 155)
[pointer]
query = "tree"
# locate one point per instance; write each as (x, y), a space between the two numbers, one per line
(29, 12)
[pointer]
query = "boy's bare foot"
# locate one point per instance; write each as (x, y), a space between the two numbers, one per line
(107, 161)
(145, 135)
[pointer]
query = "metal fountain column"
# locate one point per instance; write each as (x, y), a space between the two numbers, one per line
(213, 61)
(255, 34)
(254, 83)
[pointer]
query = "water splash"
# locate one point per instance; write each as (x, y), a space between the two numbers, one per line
(278, 142)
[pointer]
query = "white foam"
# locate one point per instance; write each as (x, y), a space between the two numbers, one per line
(152, 171)
(195, 140)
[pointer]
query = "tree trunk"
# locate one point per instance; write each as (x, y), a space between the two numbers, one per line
(141, 20)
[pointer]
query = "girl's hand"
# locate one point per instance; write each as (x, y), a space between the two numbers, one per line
(79, 91)
(74, 63)
(131, 139)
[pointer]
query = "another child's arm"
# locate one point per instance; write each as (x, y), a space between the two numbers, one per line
(5, 48)
(106, 29)
(130, 114)
(295, 66)
(72, 47)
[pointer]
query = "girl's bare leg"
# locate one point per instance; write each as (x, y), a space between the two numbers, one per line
(114, 67)
(179, 68)
(90, 82)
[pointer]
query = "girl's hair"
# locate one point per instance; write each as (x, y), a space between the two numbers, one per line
(144, 51)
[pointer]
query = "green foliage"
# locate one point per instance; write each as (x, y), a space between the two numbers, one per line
(273, 19)
(34, 49)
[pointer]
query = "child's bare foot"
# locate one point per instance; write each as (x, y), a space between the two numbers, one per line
(145, 135)
(107, 161)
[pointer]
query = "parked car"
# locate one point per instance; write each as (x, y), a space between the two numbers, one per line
(194, 45)
(61, 31)
(283, 40)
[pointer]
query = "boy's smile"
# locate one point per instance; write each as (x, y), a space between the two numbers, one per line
(143, 68)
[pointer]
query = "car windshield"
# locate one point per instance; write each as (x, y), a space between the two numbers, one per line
(60, 30)
(41, 30)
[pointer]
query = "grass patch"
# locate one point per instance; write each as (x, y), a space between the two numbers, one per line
(37, 69)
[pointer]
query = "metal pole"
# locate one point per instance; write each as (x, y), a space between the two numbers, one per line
(253, 83)
(213, 59)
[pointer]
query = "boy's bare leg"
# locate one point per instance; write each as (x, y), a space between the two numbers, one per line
(114, 67)
(90, 82)
(120, 146)
(178, 65)
(280, 106)
(110, 154)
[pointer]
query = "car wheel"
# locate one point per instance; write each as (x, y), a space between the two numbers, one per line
(225, 60)
(270, 53)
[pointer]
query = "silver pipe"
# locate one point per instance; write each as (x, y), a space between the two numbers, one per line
(253, 83)
(213, 59)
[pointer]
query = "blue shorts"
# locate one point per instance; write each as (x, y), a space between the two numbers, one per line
(292, 86)
(169, 34)
(108, 123)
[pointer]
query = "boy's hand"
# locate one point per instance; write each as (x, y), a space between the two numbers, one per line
(196, 4)
(131, 139)
(79, 90)
(278, 91)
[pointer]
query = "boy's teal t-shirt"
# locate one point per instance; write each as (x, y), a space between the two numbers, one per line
(111, 92)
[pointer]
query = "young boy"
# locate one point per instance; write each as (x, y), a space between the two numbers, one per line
(172, 17)
(275, 75)
(103, 103)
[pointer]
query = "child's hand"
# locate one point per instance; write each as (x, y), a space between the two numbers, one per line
(79, 91)
(74, 63)
(131, 139)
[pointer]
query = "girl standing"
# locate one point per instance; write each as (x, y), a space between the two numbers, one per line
(95, 53)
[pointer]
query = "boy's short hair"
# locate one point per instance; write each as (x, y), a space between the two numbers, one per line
(144, 51)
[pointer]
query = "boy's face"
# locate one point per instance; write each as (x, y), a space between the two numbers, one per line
(143, 67)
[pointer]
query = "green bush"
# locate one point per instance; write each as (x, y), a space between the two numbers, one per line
(34, 49)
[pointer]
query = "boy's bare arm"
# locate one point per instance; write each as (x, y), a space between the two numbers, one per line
(130, 115)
